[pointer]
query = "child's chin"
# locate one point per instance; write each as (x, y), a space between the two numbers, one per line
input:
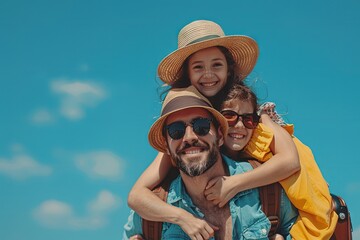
(237, 147)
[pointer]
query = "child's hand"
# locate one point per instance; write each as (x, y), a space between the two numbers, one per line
(277, 237)
(196, 228)
(220, 190)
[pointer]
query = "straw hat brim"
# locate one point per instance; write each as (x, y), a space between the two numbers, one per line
(243, 49)
(158, 141)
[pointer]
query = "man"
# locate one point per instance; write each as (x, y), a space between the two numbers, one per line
(191, 132)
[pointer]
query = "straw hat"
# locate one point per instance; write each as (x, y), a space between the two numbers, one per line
(179, 99)
(202, 34)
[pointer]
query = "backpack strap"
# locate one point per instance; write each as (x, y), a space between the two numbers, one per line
(270, 201)
(343, 229)
(152, 230)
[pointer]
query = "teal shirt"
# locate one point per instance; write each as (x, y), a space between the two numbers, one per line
(248, 220)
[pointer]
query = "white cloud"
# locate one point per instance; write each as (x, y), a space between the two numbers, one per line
(22, 166)
(57, 214)
(100, 164)
(53, 213)
(42, 116)
(76, 96)
(104, 203)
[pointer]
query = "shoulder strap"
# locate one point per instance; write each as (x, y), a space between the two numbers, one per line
(151, 229)
(270, 201)
(343, 229)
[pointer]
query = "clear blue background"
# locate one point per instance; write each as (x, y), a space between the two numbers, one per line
(78, 93)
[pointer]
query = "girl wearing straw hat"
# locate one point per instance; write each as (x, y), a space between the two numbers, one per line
(213, 62)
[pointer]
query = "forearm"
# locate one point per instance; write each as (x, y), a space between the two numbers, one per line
(277, 168)
(270, 172)
(147, 204)
(151, 207)
(283, 163)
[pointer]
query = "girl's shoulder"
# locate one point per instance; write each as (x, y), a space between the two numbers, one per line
(259, 144)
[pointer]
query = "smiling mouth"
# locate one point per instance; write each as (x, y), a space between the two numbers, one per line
(192, 150)
(236, 136)
(209, 84)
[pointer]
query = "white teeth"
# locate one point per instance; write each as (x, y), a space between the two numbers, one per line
(208, 84)
(192, 152)
(237, 136)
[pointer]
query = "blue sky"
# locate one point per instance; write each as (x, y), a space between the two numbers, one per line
(78, 93)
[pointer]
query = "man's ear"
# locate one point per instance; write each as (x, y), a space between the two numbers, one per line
(167, 147)
(220, 137)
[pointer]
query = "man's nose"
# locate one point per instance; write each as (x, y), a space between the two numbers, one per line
(189, 135)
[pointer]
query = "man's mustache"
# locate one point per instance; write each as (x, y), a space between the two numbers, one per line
(194, 144)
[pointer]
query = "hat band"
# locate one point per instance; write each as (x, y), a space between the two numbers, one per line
(184, 102)
(203, 39)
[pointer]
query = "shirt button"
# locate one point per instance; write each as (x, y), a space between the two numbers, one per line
(263, 231)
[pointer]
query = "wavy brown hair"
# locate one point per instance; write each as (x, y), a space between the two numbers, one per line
(239, 91)
(183, 79)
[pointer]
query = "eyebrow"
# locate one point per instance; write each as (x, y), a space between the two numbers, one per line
(215, 59)
(196, 62)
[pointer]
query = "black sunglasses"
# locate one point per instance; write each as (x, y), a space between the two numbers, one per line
(250, 120)
(176, 130)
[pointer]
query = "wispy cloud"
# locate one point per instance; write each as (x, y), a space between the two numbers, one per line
(100, 164)
(57, 214)
(104, 203)
(42, 116)
(53, 213)
(22, 166)
(76, 96)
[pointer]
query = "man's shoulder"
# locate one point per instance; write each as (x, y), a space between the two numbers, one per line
(176, 190)
(236, 167)
(133, 225)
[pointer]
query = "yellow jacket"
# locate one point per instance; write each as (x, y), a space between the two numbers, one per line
(307, 189)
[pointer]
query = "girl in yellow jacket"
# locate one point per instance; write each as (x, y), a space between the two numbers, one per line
(307, 189)
(211, 61)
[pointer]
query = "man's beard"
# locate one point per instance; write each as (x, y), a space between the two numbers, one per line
(195, 169)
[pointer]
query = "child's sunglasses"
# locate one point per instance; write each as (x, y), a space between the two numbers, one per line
(176, 130)
(250, 120)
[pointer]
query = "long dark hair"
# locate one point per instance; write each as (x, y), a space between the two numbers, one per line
(183, 79)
